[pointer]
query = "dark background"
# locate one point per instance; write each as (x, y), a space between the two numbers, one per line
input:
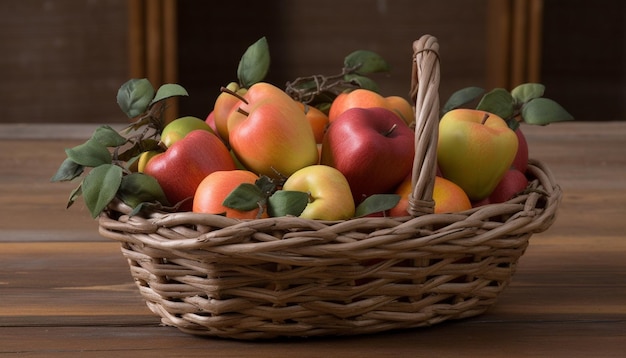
(63, 61)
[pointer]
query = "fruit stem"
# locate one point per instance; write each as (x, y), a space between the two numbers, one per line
(393, 127)
(233, 93)
(484, 118)
(242, 111)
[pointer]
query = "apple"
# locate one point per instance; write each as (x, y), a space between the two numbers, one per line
(364, 98)
(215, 187)
(448, 197)
(330, 197)
(144, 158)
(521, 157)
(317, 119)
(210, 120)
(475, 149)
(180, 169)
(512, 183)
(270, 134)
(372, 147)
(224, 105)
(180, 127)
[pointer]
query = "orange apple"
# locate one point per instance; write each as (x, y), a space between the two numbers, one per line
(270, 134)
(330, 197)
(317, 119)
(448, 197)
(215, 187)
(364, 98)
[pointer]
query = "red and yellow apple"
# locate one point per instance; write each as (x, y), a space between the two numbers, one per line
(270, 134)
(475, 149)
(330, 197)
(225, 103)
(372, 147)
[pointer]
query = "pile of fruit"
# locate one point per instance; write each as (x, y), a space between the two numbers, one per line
(324, 148)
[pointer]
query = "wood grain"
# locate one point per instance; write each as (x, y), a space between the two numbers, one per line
(65, 291)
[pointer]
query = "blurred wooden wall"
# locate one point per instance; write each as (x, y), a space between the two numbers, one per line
(63, 61)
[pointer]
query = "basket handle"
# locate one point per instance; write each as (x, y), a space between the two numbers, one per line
(424, 92)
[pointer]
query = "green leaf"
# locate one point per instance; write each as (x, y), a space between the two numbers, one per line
(254, 63)
(461, 97)
(90, 154)
(499, 102)
(366, 62)
(377, 203)
(169, 90)
(527, 91)
(75, 194)
(108, 137)
(542, 111)
(100, 186)
(137, 188)
(134, 96)
(362, 81)
(244, 197)
(68, 170)
(287, 202)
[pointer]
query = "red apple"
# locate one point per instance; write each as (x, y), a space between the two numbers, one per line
(521, 157)
(372, 147)
(180, 169)
(512, 183)
(210, 120)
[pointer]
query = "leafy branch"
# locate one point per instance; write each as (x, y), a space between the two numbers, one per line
(320, 90)
(109, 155)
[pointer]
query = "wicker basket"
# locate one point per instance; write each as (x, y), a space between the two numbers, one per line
(286, 276)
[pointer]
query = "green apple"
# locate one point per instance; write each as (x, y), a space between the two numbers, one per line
(330, 197)
(475, 150)
(180, 127)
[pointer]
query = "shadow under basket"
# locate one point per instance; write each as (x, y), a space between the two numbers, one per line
(291, 277)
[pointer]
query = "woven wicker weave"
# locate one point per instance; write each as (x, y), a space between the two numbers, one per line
(285, 276)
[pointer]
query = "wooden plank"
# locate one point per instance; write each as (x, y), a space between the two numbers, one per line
(521, 339)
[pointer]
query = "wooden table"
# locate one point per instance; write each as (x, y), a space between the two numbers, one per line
(66, 291)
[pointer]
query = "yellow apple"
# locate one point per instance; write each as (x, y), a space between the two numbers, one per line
(330, 197)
